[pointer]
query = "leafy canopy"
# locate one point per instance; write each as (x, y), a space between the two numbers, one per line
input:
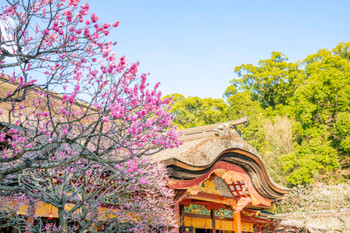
(298, 111)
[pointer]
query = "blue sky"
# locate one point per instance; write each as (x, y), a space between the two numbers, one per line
(192, 46)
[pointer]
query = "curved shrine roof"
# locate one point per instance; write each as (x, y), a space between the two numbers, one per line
(204, 147)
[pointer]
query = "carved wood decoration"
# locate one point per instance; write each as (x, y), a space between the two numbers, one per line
(242, 202)
(236, 179)
(232, 176)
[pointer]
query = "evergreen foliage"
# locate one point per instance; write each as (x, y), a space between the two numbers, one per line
(299, 114)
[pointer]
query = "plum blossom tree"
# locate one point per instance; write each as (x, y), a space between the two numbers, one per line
(51, 38)
(89, 197)
(74, 118)
(317, 207)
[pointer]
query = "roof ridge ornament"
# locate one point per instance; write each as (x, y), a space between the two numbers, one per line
(218, 129)
(225, 130)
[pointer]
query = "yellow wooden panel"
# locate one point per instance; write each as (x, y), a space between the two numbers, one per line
(209, 223)
(45, 210)
(23, 210)
(41, 209)
(105, 213)
(188, 221)
(224, 225)
(7, 205)
(247, 226)
(198, 222)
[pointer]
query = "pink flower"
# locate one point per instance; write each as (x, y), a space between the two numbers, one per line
(72, 38)
(63, 110)
(73, 2)
(94, 18)
(12, 131)
(116, 24)
(97, 106)
(2, 136)
(107, 25)
(46, 32)
(143, 180)
(105, 119)
(86, 32)
(76, 88)
(65, 130)
(69, 16)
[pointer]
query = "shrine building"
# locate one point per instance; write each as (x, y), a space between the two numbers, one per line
(221, 184)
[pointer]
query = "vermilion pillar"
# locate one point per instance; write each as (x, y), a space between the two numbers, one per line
(237, 224)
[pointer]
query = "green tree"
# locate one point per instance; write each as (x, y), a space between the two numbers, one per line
(342, 131)
(194, 111)
(241, 104)
(299, 113)
(320, 103)
(271, 82)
